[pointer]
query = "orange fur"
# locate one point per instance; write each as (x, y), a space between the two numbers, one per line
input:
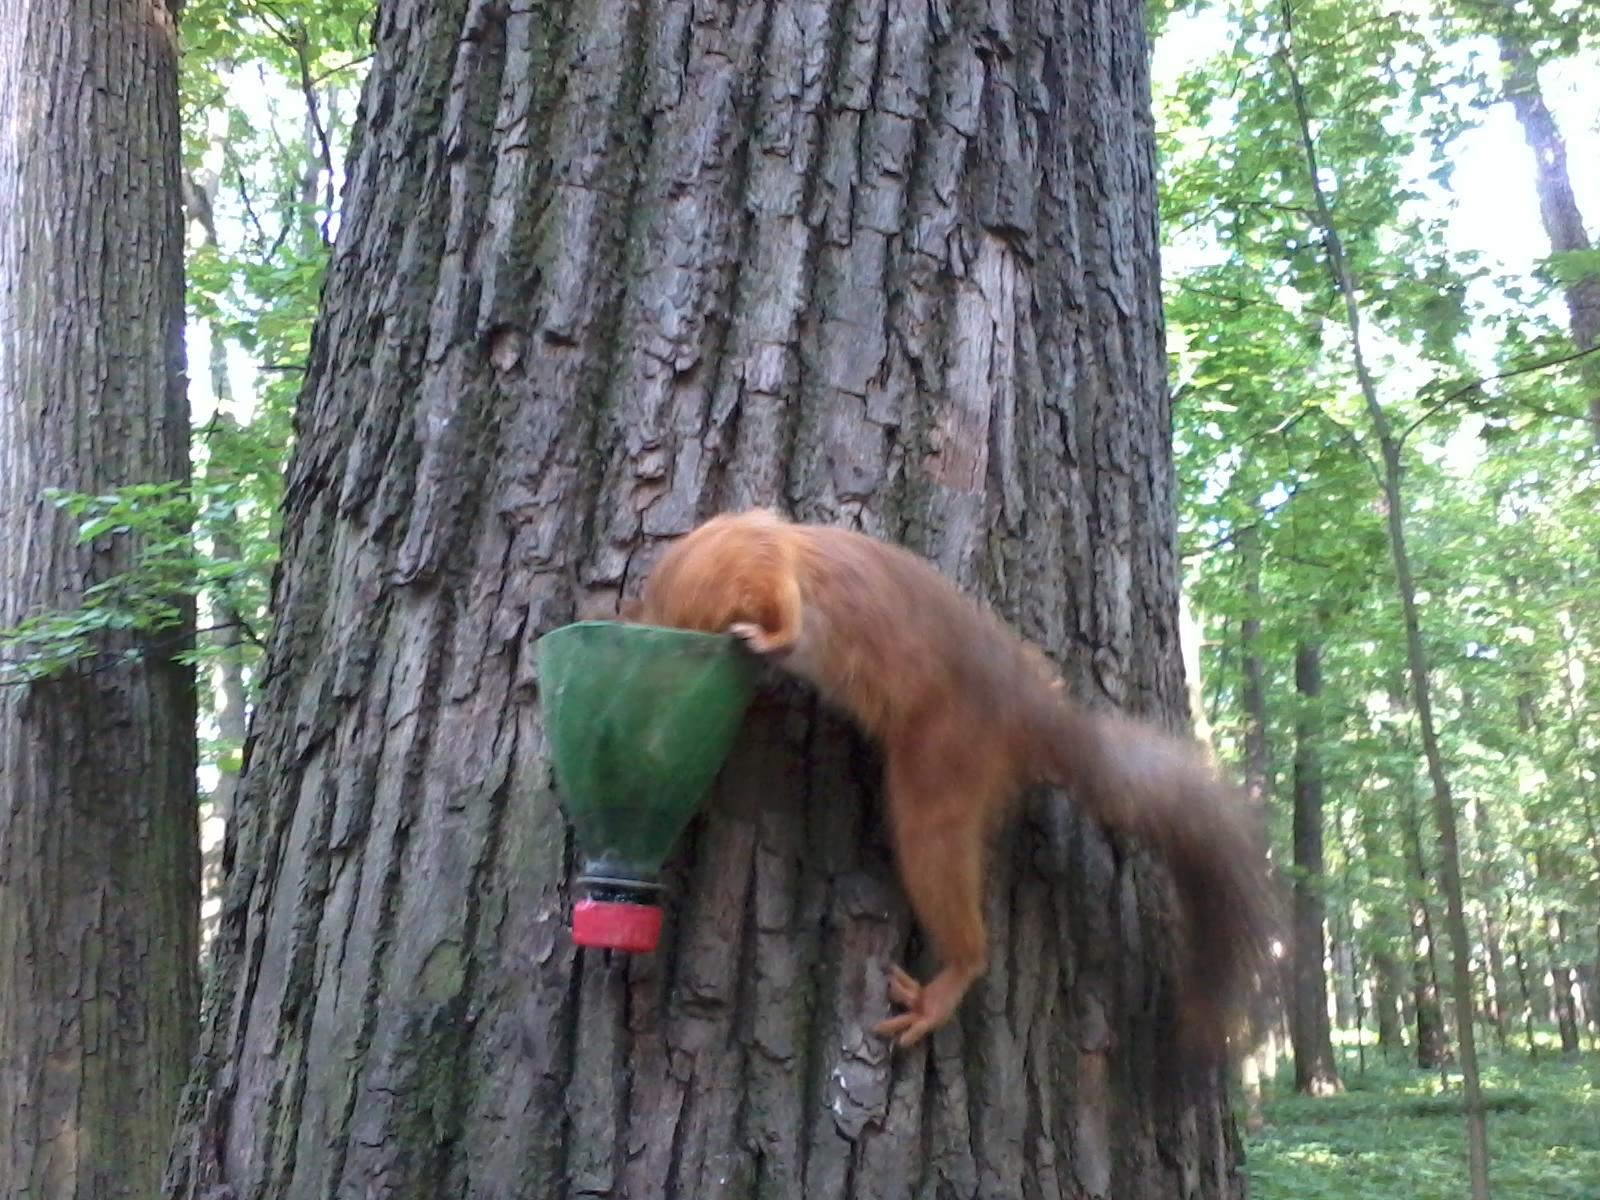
(968, 715)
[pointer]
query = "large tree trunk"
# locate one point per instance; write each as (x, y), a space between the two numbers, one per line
(1314, 1068)
(98, 855)
(605, 269)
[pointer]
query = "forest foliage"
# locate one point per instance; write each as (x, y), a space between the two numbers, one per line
(1472, 356)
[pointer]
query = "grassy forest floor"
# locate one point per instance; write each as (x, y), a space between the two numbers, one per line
(1392, 1134)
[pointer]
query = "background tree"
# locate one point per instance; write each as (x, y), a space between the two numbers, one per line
(267, 92)
(1314, 1068)
(600, 273)
(1419, 673)
(1483, 395)
(1573, 264)
(97, 764)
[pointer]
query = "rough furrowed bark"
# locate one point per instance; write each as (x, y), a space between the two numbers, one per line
(98, 846)
(604, 271)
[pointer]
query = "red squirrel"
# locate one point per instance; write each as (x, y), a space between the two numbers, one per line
(968, 715)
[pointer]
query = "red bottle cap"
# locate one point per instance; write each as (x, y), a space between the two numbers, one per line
(612, 926)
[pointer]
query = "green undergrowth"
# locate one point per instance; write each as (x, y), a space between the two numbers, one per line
(1394, 1134)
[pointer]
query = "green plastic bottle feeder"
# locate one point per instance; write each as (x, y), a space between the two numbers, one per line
(640, 719)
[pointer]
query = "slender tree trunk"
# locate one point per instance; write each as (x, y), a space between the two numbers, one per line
(1433, 1047)
(1499, 981)
(231, 716)
(1315, 1070)
(1544, 995)
(1589, 997)
(602, 271)
(1499, 993)
(1385, 934)
(1433, 1042)
(229, 685)
(1527, 997)
(1558, 205)
(1416, 658)
(1286, 987)
(1443, 802)
(1387, 988)
(1344, 972)
(1591, 974)
(1565, 985)
(1588, 973)
(98, 858)
(1262, 1062)
(1258, 768)
(226, 636)
(228, 682)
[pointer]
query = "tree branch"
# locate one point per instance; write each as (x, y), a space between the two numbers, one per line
(1560, 360)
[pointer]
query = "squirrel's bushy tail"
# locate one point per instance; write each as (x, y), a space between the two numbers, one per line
(1161, 791)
